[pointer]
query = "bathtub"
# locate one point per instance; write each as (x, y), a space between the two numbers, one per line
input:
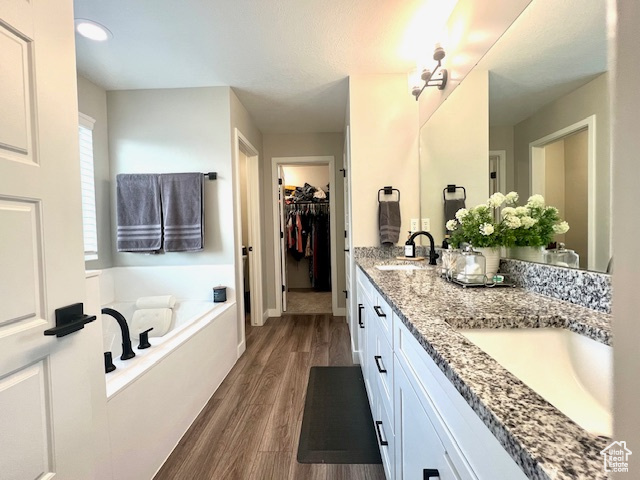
(153, 398)
(189, 317)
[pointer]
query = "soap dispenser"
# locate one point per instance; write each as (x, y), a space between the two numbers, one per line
(410, 248)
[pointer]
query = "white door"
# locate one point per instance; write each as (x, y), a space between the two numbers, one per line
(283, 235)
(45, 398)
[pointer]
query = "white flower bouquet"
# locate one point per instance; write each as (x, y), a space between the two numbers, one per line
(531, 225)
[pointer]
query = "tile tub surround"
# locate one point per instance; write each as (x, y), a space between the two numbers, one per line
(581, 287)
(545, 443)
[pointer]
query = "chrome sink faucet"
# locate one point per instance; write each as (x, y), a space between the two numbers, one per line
(433, 256)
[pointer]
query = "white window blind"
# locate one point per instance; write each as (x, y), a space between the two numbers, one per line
(88, 187)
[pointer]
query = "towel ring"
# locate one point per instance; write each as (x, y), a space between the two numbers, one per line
(453, 189)
(388, 191)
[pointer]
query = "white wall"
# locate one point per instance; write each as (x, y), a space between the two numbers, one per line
(384, 151)
(92, 101)
(590, 99)
(625, 71)
(454, 149)
(177, 130)
(300, 145)
(315, 175)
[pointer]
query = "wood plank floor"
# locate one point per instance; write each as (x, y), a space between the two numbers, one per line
(250, 427)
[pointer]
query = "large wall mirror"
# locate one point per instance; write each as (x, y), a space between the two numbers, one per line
(544, 129)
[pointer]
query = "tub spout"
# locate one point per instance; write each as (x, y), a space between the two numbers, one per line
(127, 349)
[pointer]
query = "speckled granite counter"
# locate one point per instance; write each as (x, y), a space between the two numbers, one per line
(544, 442)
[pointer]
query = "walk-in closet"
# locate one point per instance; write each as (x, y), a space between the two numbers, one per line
(307, 238)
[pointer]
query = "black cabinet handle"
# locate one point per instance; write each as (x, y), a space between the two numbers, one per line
(379, 311)
(430, 473)
(377, 358)
(360, 308)
(383, 443)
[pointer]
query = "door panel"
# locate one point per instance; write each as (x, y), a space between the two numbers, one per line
(19, 256)
(25, 443)
(16, 122)
(283, 237)
(45, 397)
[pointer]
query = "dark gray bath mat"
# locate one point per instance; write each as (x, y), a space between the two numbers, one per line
(337, 426)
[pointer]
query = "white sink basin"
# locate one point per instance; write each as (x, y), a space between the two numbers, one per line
(397, 267)
(572, 372)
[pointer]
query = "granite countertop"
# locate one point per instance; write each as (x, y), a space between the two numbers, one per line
(544, 442)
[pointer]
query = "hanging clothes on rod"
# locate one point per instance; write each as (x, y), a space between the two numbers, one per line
(308, 237)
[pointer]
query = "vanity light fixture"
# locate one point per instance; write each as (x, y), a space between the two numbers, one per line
(427, 76)
(92, 30)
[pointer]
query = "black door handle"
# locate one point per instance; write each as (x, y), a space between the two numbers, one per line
(69, 319)
(383, 443)
(379, 311)
(377, 358)
(360, 308)
(346, 249)
(430, 473)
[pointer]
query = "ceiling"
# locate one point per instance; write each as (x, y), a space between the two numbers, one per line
(550, 50)
(287, 60)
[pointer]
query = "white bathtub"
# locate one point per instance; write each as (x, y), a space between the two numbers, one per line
(153, 398)
(189, 317)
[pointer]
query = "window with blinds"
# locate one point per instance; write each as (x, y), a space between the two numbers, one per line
(87, 179)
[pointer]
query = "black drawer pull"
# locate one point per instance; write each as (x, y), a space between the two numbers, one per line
(379, 311)
(430, 473)
(383, 443)
(377, 358)
(360, 308)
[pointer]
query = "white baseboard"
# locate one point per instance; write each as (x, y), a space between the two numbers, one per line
(272, 312)
(340, 312)
(241, 348)
(355, 358)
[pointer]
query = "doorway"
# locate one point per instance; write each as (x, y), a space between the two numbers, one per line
(562, 171)
(248, 256)
(305, 240)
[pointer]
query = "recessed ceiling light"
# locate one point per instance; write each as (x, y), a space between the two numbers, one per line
(92, 30)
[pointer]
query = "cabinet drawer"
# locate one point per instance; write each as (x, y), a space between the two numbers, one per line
(382, 369)
(383, 422)
(383, 316)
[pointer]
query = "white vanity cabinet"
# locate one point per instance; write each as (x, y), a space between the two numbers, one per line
(419, 451)
(424, 426)
(471, 451)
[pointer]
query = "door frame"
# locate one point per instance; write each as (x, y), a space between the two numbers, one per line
(502, 167)
(537, 172)
(304, 161)
(254, 258)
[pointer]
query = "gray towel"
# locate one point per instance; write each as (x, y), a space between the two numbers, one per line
(182, 195)
(451, 206)
(138, 214)
(389, 222)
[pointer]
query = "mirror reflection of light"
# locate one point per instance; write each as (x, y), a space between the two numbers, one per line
(427, 27)
(92, 30)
